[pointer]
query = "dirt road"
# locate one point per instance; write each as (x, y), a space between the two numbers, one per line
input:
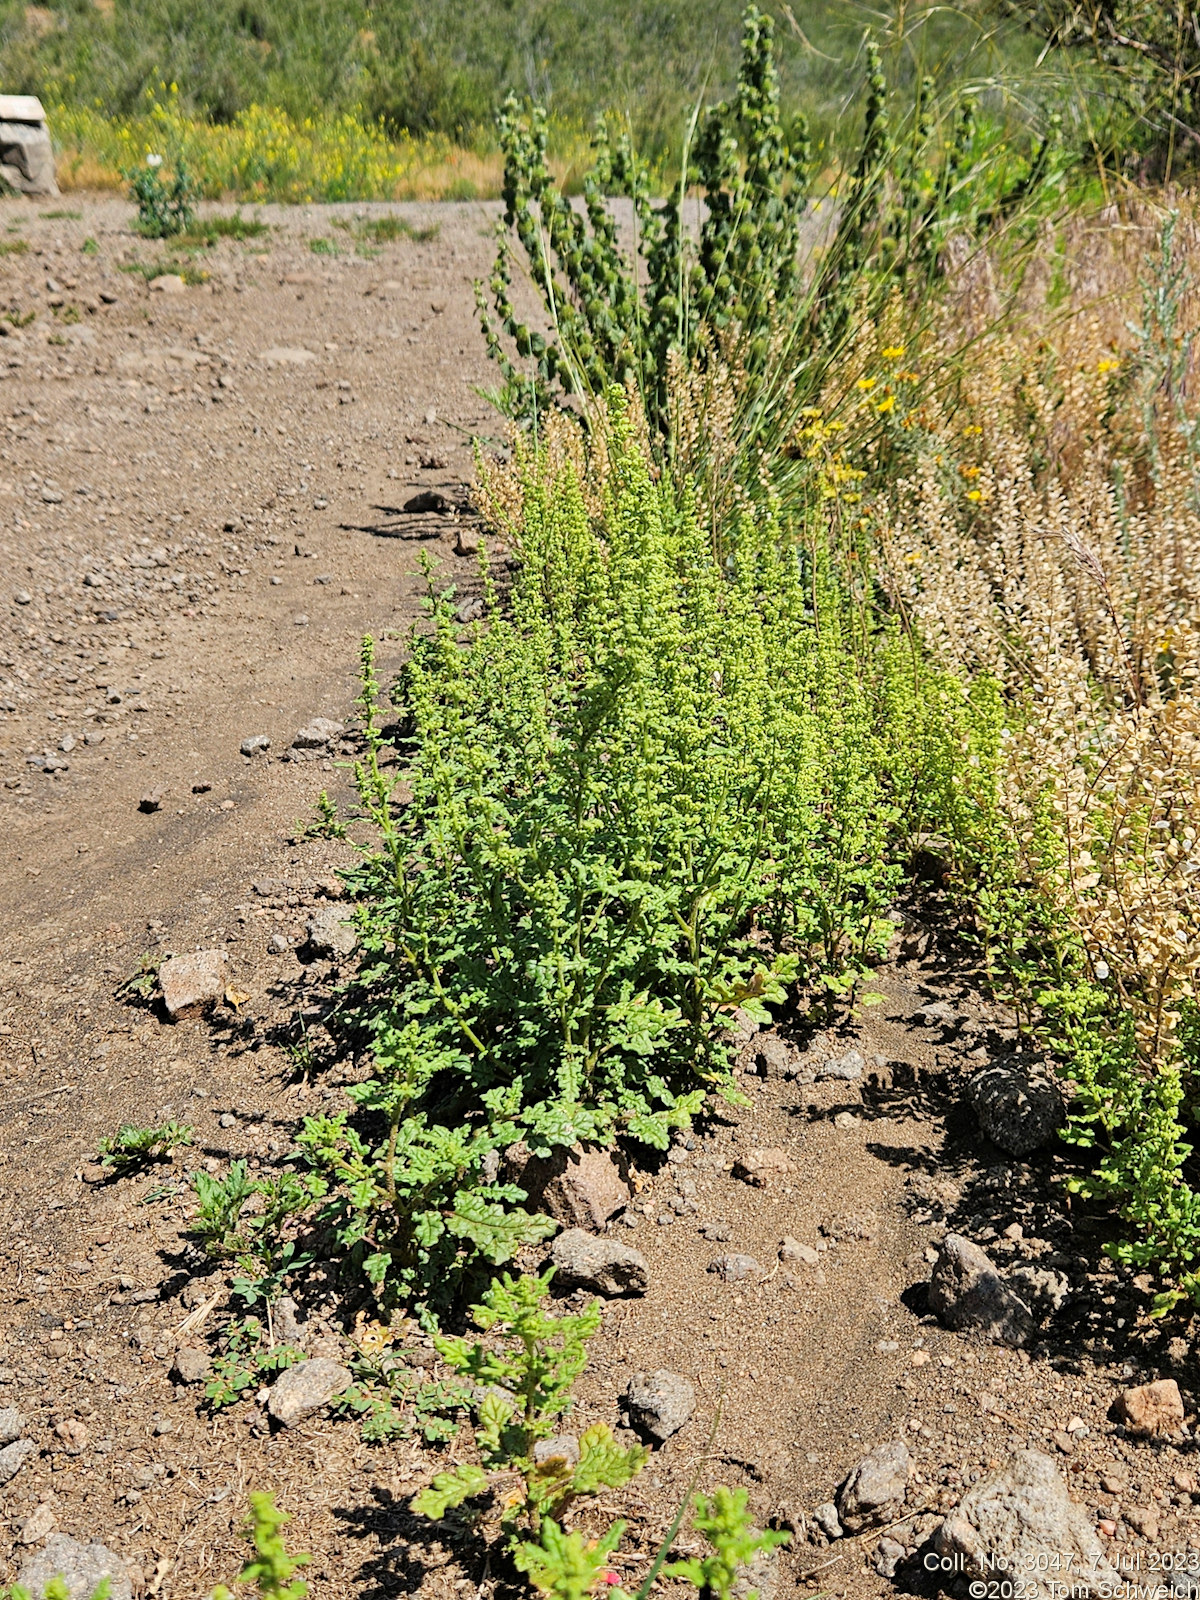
(201, 493)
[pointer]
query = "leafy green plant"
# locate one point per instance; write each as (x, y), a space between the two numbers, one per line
(248, 1358)
(210, 231)
(527, 1387)
(139, 987)
(56, 1589)
(736, 294)
(413, 1204)
(271, 1569)
(326, 824)
(392, 1398)
(246, 1221)
(90, 247)
(323, 247)
(724, 1521)
(132, 1148)
(165, 207)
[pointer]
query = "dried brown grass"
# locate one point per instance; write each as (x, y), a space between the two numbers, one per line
(1048, 533)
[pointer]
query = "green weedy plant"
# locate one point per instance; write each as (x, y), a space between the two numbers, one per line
(165, 209)
(415, 1204)
(56, 1589)
(736, 290)
(132, 1148)
(245, 1221)
(724, 1521)
(248, 1358)
(528, 1387)
(646, 793)
(271, 1570)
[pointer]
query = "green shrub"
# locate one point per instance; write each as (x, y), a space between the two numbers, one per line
(736, 291)
(132, 1148)
(527, 1390)
(643, 793)
(165, 208)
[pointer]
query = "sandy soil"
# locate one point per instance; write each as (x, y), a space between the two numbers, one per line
(200, 516)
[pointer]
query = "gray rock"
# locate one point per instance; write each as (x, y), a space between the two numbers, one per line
(306, 1388)
(191, 983)
(1023, 1517)
(14, 1456)
(774, 1057)
(81, 1566)
(318, 733)
(329, 934)
(796, 1254)
(659, 1403)
(759, 1577)
(846, 1067)
(718, 1232)
(887, 1556)
(564, 1446)
(26, 154)
(1018, 1103)
(191, 1363)
(1043, 1290)
(826, 1518)
(966, 1291)
(873, 1491)
(256, 744)
(581, 1260)
(12, 1424)
(736, 1268)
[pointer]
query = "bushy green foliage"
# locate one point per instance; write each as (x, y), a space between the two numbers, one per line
(165, 206)
(271, 1569)
(724, 1521)
(250, 1222)
(248, 1358)
(436, 66)
(1148, 56)
(132, 1148)
(735, 287)
(526, 1390)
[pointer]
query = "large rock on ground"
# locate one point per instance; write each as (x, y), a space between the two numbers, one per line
(81, 1566)
(966, 1291)
(14, 1456)
(1024, 1517)
(581, 1187)
(26, 154)
(305, 1389)
(659, 1403)
(191, 983)
(328, 933)
(873, 1491)
(1018, 1103)
(605, 1266)
(1152, 1409)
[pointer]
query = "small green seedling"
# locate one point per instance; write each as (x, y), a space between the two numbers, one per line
(528, 1385)
(272, 1570)
(132, 1148)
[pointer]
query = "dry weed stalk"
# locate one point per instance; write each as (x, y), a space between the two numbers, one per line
(1049, 535)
